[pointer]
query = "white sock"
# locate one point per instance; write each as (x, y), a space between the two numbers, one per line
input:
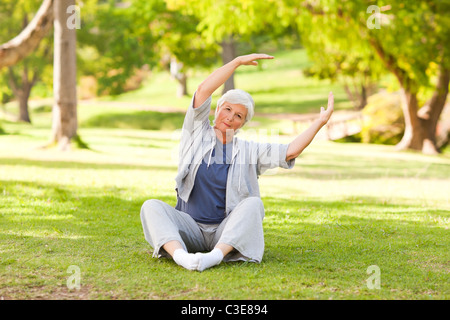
(188, 261)
(210, 259)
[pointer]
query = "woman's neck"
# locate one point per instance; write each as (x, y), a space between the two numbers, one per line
(224, 137)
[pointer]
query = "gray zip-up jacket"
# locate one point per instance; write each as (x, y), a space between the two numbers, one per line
(250, 159)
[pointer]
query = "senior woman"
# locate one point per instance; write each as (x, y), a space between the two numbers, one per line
(219, 213)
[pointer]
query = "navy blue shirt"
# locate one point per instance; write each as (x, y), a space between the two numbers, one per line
(206, 202)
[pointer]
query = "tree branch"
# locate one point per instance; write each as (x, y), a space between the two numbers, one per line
(390, 63)
(26, 42)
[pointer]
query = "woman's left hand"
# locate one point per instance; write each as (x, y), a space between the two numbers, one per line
(251, 59)
(326, 114)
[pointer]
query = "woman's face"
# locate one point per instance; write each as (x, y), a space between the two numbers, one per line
(230, 117)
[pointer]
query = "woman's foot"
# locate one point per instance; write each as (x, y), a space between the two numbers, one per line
(187, 260)
(210, 259)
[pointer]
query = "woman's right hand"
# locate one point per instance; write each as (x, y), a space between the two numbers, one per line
(250, 59)
(219, 76)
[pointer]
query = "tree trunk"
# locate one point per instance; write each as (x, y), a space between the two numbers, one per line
(64, 125)
(420, 130)
(22, 89)
(177, 74)
(27, 41)
(228, 54)
(429, 114)
(182, 85)
(363, 98)
(23, 105)
(414, 134)
(21, 92)
(358, 96)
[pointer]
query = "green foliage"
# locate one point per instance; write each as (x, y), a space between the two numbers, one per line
(277, 86)
(383, 119)
(333, 54)
(114, 44)
(176, 35)
(414, 36)
(357, 68)
(240, 19)
(115, 41)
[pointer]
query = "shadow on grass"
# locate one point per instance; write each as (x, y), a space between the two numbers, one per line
(82, 165)
(45, 228)
(48, 227)
(355, 228)
(146, 120)
(340, 168)
(364, 167)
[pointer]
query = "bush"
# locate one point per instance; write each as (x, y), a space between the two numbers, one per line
(383, 119)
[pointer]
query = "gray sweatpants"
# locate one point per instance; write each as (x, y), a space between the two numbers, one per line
(242, 229)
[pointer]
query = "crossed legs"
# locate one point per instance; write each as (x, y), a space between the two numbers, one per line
(197, 261)
(175, 233)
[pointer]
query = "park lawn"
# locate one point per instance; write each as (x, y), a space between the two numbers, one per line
(342, 209)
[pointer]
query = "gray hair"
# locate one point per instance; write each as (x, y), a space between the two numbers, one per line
(238, 96)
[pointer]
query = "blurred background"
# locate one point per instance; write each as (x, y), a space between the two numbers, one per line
(386, 62)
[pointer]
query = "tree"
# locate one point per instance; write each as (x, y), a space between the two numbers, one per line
(411, 41)
(328, 52)
(21, 77)
(426, 31)
(115, 42)
(26, 42)
(178, 44)
(64, 124)
(228, 22)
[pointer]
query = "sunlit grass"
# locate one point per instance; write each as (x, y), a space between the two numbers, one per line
(343, 208)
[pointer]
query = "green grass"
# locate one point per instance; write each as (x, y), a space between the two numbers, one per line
(343, 208)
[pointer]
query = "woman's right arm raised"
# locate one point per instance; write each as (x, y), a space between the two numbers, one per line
(219, 76)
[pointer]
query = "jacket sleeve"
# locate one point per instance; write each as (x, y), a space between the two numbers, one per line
(195, 121)
(272, 155)
(196, 117)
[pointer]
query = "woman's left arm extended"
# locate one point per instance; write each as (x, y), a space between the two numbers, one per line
(297, 146)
